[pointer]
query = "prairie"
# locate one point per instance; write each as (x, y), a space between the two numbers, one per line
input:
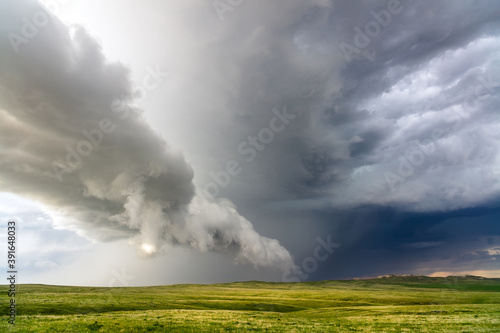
(392, 304)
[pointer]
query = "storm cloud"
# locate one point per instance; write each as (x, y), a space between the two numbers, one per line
(375, 123)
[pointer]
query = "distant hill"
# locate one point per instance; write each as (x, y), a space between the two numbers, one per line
(419, 277)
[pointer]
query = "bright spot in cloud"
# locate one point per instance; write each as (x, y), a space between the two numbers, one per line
(149, 249)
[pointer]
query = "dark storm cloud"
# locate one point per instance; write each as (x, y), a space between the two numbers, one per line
(419, 85)
(407, 121)
(429, 90)
(377, 241)
(446, 49)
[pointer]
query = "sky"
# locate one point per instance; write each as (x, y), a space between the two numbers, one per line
(160, 142)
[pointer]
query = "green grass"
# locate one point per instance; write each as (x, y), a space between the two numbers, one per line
(396, 304)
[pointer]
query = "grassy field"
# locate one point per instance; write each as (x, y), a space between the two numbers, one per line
(395, 304)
